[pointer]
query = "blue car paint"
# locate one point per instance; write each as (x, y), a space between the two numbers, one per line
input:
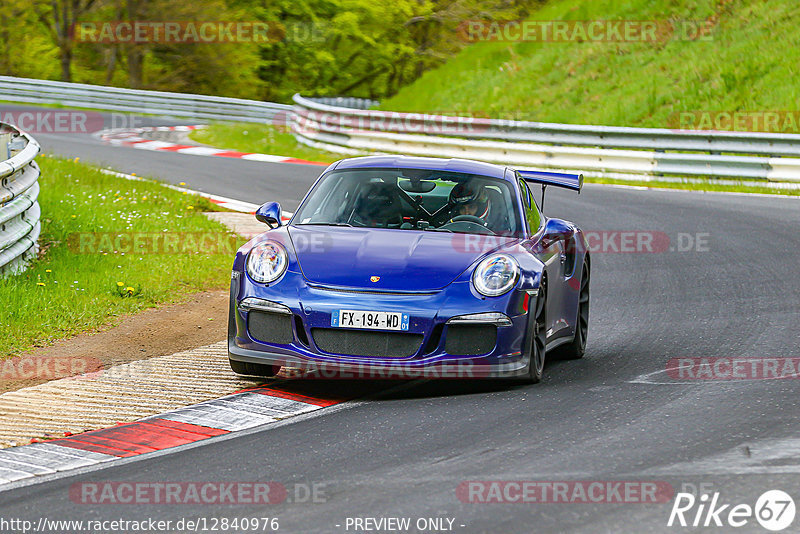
(421, 274)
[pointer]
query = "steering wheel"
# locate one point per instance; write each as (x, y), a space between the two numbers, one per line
(467, 227)
(469, 218)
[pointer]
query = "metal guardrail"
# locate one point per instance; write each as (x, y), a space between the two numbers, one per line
(596, 150)
(346, 125)
(19, 190)
(139, 101)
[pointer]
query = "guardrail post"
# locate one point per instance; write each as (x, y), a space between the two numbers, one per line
(5, 139)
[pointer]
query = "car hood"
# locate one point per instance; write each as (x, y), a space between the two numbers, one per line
(402, 260)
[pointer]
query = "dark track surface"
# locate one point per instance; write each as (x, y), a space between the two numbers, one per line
(404, 453)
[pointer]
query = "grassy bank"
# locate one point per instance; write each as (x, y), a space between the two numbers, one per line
(260, 138)
(747, 62)
(92, 270)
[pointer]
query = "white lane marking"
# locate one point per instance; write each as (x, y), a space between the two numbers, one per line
(646, 379)
(239, 411)
(218, 417)
(8, 461)
(11, 475)
(89, 456)
(265, 157)
(258, 402)
(124, 141)
(200, 151)
(46, 458)
(152, 145)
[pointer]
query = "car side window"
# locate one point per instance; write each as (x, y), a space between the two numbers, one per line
(532, 215)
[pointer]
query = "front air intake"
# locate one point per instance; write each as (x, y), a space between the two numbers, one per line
(364, 343)
(470, 339)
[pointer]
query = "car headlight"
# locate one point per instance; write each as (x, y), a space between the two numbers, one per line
(266, 262)
(495, 275)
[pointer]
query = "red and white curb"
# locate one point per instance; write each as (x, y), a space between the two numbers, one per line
(132, 137)
(233, 413)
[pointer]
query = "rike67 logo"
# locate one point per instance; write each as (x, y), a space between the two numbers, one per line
(774, 510)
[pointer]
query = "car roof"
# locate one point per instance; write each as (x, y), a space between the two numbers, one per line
(436, 164)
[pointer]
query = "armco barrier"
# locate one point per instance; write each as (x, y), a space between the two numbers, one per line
(346, 125)
(19, 210)
(594, 150)
(138, 101)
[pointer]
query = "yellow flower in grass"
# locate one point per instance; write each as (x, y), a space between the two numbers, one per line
(48, 270)
(40, 284)
(120, 284)
(189, 207)
(129, 289)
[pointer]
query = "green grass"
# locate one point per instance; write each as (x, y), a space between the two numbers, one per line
(750, 63)
(260, 138)
(73, 286)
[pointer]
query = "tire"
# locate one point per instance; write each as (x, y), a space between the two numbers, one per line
(538, 336)
(254, 369)
(577, 347)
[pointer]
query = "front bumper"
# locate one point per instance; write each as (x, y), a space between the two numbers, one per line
(289, 324)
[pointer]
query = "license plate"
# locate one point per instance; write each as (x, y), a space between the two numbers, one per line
(374, 320)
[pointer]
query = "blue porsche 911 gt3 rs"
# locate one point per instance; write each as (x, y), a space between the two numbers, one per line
(412, 265)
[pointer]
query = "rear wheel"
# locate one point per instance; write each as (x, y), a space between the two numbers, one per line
(254, 369)
(576, 349)
(538, 337)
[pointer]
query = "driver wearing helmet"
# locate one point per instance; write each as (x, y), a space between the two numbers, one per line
(473, 200)
(469, 199)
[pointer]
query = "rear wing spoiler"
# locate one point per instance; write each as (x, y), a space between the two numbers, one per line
(558, 179)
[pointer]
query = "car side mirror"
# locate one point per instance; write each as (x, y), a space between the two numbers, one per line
(555, 230)
(269, 214)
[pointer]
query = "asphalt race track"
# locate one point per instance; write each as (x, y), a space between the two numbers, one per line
(725, 287)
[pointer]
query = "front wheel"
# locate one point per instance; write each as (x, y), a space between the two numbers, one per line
(254, 369)
(577, 348)
(538, 336)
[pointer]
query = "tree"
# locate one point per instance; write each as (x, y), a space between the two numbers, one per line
(60, 17)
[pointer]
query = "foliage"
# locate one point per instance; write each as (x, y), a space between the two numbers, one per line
(317, 47)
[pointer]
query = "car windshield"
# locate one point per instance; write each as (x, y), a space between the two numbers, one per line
(412, 199)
